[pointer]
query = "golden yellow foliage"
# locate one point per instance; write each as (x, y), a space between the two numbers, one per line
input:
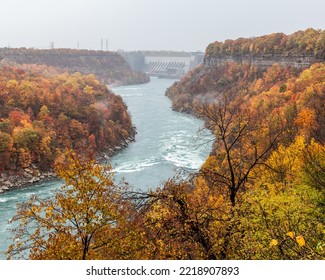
(291, 234)
(301, 241)
(88, 218)
(274, 242)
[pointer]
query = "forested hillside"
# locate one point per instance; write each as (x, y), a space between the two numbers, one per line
(42, 113)
(108, 67)
(310, 42)
(268, 159)
(298, 97)
(259, 195)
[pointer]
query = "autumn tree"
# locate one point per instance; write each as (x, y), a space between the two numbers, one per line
(45, 112)
(185, 220)
(6, 144)
(314, 166)
(87, 218)
(282, 213)
(307, 42)
(279, 221)
(242, 141)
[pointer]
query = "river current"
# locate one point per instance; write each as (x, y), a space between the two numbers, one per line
(166, 142)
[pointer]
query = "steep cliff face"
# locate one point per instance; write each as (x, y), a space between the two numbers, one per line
(300, 48)
(264, 61)
(108, 67)
(255, 69)
(235, 66)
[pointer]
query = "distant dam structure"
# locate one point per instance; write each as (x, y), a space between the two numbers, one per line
(163, 64)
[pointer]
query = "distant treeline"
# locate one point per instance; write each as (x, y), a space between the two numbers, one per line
(259, 195)
(109, 67)
(310, 42)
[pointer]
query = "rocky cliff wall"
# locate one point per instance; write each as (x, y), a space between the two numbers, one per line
(263, 61)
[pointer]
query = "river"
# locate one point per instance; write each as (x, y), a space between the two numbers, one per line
(166, 142)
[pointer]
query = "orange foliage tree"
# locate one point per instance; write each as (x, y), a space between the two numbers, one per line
(89, 217)
(44, 114)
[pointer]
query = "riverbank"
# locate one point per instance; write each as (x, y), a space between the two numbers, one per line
(165, 141)
(24, 177)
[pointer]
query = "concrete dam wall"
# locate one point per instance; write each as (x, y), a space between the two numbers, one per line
(163, 64)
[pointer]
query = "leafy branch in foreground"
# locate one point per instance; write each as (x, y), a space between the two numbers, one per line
(88, 218)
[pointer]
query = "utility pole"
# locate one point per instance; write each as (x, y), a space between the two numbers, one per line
(106, 44)
(102, 44)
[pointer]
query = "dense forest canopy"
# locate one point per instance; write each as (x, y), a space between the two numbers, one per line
(259, 195)
(43, 112)
(268, 159)
(310, 42)
(297, 97)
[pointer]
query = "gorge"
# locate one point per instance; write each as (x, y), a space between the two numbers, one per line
(257, 192)
(166, 141)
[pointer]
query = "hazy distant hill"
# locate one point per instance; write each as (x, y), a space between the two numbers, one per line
(109, 67)
(249, 68)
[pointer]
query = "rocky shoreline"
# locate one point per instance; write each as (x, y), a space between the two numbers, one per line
(23, 177)
(15, 179)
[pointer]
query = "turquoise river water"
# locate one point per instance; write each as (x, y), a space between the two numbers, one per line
(166, 142)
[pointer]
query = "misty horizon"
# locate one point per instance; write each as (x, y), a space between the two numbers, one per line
(183, 25)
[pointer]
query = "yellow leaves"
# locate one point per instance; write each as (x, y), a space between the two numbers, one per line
(11, 248)
(24, 158)
(283, 220)
(203, 197)
(306, 75)
(11, 84)
(49, 212)
(301, 241)
(6, 142)
(26, 123)
(89, 205)
(258, 85)
(274, 242)
(180, 213)
(158, 213)
(35, 209)
(285, 164)
(291, 234)
(306, 119)
(314, 165)
(88, 89)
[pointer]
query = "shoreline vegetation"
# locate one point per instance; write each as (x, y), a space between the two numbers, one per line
(259, 195)
(44, 111)
(27, 177)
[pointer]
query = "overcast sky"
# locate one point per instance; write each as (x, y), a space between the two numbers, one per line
(188, 25)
